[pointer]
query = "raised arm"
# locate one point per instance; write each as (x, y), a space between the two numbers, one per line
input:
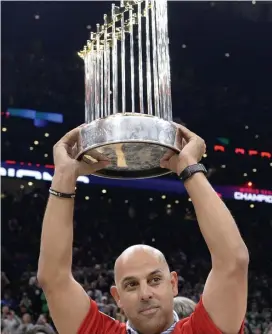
(68, 303)
(225, 292)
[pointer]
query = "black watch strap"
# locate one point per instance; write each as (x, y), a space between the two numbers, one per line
(191, 170)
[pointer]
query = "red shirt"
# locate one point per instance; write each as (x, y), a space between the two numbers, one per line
(199, 322)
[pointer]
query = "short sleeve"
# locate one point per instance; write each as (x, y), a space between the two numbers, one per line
(97, 322)
(200, 322)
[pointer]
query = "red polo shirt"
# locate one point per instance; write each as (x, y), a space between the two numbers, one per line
(199, 322)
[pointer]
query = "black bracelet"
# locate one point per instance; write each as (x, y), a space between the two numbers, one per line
(59, 194)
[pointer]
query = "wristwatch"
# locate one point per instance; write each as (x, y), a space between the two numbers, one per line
(191, 170)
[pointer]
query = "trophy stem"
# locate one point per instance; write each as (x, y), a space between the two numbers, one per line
(140, 58)
(101, 70)
(109, 80)
(123, 57)
(155, 60)
(98, 76)
(161, 65)
(95, 84)
(105, 82)
(148, 66)
(87, 90)
(92, 66)
(131, 42)
(90, 83)
(114, 62)
(167, 62)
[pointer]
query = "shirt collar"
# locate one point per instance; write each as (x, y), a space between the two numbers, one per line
(131, 330)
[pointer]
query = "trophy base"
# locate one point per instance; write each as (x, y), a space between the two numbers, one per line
(134, 144)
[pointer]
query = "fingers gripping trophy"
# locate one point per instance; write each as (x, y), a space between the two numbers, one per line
(128, 106)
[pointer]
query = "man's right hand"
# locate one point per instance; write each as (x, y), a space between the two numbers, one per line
(64, 156)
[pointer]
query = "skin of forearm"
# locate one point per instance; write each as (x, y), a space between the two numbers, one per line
(215, 221)
(57, 231)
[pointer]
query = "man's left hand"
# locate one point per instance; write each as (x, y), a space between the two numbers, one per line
(193, 148)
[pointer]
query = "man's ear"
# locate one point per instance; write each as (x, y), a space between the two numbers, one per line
(174, 283)
(115, 295)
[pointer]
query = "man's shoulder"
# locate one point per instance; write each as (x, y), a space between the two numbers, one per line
(184, 326)
(198, 322)
(97, 322)
(193, 326)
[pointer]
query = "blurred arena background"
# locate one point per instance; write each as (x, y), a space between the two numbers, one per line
(221, 85)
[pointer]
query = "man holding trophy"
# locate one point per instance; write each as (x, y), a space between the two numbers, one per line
(136, 145)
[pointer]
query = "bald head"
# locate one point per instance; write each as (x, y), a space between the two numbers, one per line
(138, 253)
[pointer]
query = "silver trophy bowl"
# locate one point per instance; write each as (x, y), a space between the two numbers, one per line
(134, 143)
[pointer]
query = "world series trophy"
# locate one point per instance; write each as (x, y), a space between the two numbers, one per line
(128, 106)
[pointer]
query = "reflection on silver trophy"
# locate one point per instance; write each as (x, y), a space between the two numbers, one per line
(128, 106)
